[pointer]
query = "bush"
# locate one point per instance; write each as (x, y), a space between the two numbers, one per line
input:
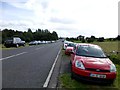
(101, 39)
(90, 40)
(83, 41)
(115, 58)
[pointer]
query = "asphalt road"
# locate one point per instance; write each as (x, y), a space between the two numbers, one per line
(28, 67)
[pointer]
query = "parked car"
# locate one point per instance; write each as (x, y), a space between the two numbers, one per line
(65, 44)
(39, 42)
(89, 63)
(14, 42)
(70, 47)
(33, 43)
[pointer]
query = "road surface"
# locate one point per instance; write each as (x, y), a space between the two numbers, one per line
(28, 67)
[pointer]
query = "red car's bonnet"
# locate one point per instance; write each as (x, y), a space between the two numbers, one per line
(96, 63)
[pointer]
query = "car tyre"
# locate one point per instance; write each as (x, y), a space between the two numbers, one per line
(6, 46)
(17, 45)
(23, 45)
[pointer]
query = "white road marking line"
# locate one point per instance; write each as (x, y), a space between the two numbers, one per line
(51, 71)
(38, 48)
(13, 56)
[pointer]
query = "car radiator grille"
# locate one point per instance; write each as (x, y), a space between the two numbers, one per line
(97, 70)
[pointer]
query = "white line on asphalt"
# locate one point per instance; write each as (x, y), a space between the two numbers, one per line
(51, 71)
(38, 48)
(13, 56)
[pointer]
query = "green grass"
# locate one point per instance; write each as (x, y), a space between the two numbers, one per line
(77, 41)
(2, 47)
(108, 46)
(117, 81)
(67, 82)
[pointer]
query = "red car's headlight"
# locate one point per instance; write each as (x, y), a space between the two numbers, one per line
(112, 68)
(79, 64)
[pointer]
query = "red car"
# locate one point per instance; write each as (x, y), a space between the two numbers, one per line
(70, 47)
(68, 50)
(89, 63)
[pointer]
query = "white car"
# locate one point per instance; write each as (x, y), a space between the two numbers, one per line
(66, 43)
(33, 43)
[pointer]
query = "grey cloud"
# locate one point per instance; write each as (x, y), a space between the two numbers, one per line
(15, 1)
(13, 24)
(63, 20)
(44, 5)
(66, 28)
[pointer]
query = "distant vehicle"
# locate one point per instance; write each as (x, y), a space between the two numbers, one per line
(39, 42)
(62, 40)
(14, 42)
(65, 44)
(48, 41)
(70, 48)
(33, 43)
(44, 42)
(52, 41)
(89, 63)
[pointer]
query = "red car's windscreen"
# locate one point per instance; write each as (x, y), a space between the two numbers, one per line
(90, 51)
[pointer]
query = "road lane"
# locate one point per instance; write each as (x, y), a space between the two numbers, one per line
(31, 69)
(10, 52)
(12, 56)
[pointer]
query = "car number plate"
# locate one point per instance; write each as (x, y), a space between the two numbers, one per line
(97, 76)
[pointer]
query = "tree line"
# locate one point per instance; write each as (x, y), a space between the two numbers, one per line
(92, 39)
(39, 34)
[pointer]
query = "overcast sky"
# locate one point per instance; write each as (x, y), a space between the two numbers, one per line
(69, 18)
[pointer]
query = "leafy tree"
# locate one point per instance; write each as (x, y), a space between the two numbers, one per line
(89, 40)
(54, 36)
(92, 38)
(28, 36)
(100, 39)
(118, 37)
(40, 34)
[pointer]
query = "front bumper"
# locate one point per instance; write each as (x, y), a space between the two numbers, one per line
(93, 80)
(85, 75)
(68, 52)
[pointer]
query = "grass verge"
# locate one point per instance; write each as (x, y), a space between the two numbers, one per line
(2, 47)
(108, 46)
(68, 83)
